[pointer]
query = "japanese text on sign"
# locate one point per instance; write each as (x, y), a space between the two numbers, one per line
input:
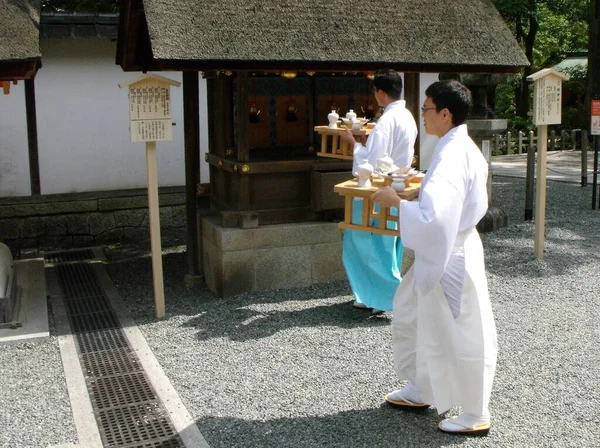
(547, 101)
(150, 113)
(595, 127)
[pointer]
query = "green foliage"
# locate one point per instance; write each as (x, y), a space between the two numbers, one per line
(80, 5)
(547, 30)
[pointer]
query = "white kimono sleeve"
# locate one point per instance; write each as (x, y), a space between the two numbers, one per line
(430, 226)
(378, 143)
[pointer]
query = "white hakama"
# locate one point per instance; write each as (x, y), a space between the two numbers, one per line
(444, 336)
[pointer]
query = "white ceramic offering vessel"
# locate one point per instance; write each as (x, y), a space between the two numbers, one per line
(385, 164)
(364, 172)
(398, 184)
(333, 117)
(351, 115)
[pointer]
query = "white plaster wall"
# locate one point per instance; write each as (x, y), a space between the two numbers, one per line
(83, 136)
(427, 142)
(14, 155)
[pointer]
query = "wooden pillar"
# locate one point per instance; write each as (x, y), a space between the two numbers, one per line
(242, 145)
(191, 124)
(412, 86)
(32, 140)
(311, 112)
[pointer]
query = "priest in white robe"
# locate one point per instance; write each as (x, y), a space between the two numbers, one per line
(443, 331)
(372, 261)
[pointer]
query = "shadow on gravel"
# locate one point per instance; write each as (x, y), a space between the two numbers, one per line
(240, 323)
(379, 427)
(243, 317)
(572, 232)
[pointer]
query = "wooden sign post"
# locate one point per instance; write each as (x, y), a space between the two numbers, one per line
(150, 121)
(547, 95)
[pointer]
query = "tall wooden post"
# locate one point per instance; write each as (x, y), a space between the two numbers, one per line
(191, 125)
(32, 138)
(154, 219)
(150, 121)
(547, 97)
(540, 192)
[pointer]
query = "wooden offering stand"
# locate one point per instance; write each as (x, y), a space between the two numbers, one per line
(350, 190)
(338, 149)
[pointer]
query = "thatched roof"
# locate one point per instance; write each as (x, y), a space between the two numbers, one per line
(19, 38)
(411, 35)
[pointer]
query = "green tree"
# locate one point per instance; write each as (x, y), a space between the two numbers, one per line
(546, 30)
(593, 74)
(80, 5)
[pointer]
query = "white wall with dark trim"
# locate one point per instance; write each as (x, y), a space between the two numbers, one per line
(82, 119)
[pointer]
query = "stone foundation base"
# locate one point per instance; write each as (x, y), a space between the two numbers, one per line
(64, 221)
(495, 218)
(270, 257)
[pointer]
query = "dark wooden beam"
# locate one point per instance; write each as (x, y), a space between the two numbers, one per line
(242, 144)
(32, 140)
(191, 125)
(134, 50)
(412, 88)
(18, 70)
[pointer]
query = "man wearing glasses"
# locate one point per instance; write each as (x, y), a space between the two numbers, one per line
(443, 331)
(372, 261)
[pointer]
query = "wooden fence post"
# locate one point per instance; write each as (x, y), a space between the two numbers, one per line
(563, 140)
(574, 139)
(584, 162)
(529, 179)
(520, 142)
(508, 143)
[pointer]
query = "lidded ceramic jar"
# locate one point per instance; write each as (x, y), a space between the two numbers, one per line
(385, 164)
(351, 115)
(364, 172)
(333, 117)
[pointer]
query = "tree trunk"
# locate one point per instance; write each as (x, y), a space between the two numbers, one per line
(593, 74)
(522, 93)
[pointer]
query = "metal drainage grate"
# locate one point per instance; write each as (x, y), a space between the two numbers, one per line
(112, 362)
(69, 255)
(149, 422)
(128, 412)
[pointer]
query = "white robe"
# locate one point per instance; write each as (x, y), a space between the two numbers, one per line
(444, 334)
(394, 134)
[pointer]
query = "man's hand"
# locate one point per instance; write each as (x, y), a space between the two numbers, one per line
(347, 137)
(386, 197)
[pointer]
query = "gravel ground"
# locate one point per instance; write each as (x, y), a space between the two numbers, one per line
(302, 368)
(34, 403)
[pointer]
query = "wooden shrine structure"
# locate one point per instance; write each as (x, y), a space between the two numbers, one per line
(20, 59)
(274, 70)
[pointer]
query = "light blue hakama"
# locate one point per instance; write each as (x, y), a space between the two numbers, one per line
(373, 262)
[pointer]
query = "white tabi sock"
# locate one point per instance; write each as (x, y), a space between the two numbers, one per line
(465, 420)
(407, 393)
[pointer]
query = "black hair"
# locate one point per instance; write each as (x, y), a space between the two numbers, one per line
(389, 81)
(452, 95)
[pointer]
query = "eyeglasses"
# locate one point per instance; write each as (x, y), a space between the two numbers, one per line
(424, 109)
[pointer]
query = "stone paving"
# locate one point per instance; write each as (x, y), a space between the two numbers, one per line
(563, 166)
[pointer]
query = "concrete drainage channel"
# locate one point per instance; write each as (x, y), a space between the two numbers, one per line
(116, 367)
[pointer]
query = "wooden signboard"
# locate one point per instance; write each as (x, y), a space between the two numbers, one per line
(547, 95)
(150, 108)
(150, 121)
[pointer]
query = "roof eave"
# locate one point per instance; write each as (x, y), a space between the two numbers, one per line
(14, 70)
(327, 66)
